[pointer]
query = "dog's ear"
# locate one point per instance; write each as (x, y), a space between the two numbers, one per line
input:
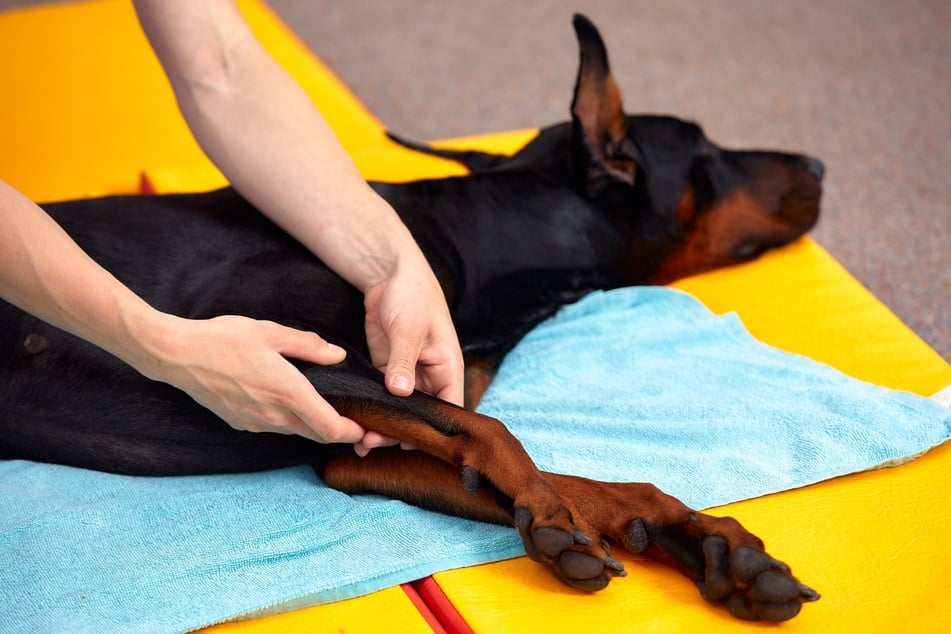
(603, 152)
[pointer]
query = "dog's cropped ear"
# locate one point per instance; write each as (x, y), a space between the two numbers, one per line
(602, 150)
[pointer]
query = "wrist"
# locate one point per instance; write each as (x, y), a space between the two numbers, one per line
(371, 245)
(152, 339)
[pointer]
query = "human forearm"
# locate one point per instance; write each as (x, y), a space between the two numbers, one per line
(44, 272)
(263, 132)
(293, 168)
(260, 128)
(232, 365)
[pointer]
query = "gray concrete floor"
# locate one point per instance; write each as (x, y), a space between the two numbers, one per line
(863, 84)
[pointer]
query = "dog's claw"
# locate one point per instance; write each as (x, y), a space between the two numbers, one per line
(581, 538)
(807, 594)
(615, 566)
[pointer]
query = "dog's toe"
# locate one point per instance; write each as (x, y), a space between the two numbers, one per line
(636, 538)
(747, 563)
(717, 583)
(574, 557)
(552, 542)
(579, 566)
(772, 586)
(593, 584)
(741, 607)
(471, 479)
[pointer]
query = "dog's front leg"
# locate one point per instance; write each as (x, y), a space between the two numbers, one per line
(479, 450)
(550, 537)
(725, 561)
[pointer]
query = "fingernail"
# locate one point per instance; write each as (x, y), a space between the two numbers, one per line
(337, 350)
(401, 382)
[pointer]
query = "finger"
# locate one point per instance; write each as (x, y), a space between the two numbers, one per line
(294, 425)
(338, 430)
(326, 425)
(348, 430)
(303, 345)
(372, 440)
(274, 421)
(330, 427)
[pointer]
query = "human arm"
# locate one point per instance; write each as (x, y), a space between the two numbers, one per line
(259, 127)
(232, 365)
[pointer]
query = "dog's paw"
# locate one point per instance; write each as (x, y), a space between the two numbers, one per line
(574, 557)
(751, 584)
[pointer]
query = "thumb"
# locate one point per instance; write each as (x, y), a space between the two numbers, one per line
(401, 367)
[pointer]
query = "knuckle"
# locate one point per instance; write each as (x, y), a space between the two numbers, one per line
(335, 434)
(310, 337)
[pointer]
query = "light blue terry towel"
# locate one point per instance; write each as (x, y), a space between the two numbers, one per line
(637, 384)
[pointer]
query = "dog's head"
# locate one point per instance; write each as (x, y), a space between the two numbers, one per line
(688, 205)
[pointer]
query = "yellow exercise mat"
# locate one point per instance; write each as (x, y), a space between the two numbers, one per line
(86, 105)
(874, 544)
(384, 611)
(86, 109)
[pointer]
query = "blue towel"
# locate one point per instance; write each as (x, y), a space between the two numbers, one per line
(636, 384)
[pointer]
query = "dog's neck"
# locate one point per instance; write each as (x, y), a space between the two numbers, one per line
(509, 259)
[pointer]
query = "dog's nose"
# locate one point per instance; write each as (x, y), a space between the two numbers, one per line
(814, 167)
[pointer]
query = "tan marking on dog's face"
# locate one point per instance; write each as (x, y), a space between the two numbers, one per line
(716, 237)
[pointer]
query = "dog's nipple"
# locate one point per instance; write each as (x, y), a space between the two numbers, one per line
(35, 344)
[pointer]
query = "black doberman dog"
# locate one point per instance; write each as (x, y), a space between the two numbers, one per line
(603, 201)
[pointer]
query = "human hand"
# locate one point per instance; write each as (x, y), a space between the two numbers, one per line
(411, 336)
(236, 367)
